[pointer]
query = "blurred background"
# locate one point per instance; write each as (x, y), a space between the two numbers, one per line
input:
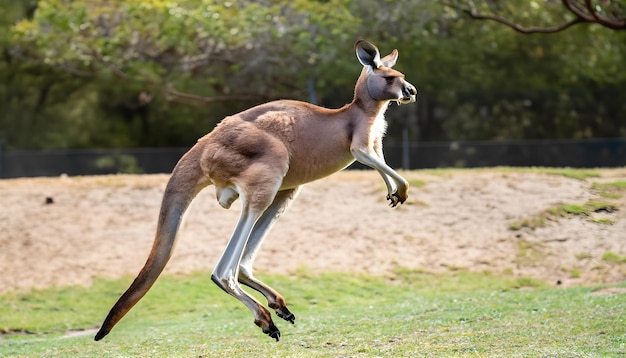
(91, 87)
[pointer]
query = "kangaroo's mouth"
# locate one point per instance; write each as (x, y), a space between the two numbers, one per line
(405, 100)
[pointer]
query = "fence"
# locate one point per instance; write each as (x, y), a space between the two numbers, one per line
(587, 153)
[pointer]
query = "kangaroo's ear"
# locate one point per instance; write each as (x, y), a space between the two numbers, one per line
(390, 59)
(367, 54)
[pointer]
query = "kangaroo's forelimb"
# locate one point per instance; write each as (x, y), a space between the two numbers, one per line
(397, 186)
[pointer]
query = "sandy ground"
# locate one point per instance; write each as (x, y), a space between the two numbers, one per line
(103, 226)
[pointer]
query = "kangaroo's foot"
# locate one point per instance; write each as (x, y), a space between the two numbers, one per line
(285, 314)
(269, 328)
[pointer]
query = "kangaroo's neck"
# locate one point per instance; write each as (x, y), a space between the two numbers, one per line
(364, 101)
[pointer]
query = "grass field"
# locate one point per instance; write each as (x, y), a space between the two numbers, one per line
(410, 313)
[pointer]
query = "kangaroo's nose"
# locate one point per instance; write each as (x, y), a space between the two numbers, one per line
(409, 91)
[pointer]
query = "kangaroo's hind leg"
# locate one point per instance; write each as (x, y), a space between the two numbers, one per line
(259, 232)
(257, 185)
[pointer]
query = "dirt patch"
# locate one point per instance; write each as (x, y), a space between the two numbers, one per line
(103, 226)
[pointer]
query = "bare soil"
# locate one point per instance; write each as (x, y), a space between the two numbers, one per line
(103, 226)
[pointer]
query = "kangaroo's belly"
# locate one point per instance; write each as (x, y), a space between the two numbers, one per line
(313, 167)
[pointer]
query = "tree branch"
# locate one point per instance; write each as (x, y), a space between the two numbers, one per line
(112, 67)
(612, 23)
(525, 30)
(586, 13)
(171, 94)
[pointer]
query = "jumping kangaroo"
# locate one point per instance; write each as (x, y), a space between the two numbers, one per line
(263, 155)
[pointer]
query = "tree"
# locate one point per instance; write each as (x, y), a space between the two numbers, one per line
(158, 73)
(138, 61)
(162, 44)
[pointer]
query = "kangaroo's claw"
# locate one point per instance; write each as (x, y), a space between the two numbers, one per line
(269, 329)
(290, 317)
(394, 199)
(273, 332)
(285, 314)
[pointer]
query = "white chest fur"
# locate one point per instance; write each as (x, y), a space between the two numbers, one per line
(379, 127)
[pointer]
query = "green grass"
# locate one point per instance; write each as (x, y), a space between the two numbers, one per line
(409, 314)
(575, 273)
(586, 209)
(613, 190)
(529, 253)
(531, 222)
(580, 174)
(603, 221)
(567, 210)
(613, 258)
(574, 173)
(416, 183)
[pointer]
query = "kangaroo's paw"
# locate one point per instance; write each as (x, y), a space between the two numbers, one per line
(269, 329)
(394, 199)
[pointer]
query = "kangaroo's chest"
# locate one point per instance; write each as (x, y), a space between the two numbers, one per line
(378, 128)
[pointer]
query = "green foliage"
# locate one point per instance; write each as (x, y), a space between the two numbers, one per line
(417, 314)
(501, 84)
(129, 60)
(119, 163)
(110, 74)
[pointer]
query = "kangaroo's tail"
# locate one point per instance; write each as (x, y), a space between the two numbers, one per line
(185, 183)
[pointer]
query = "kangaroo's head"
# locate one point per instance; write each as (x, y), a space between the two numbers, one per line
(383, 82)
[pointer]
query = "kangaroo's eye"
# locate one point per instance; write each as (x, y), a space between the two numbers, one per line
(389, 79)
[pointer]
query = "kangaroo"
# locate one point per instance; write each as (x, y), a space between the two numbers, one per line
(263, 155)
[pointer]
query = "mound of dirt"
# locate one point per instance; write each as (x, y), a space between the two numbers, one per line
(69, 230)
